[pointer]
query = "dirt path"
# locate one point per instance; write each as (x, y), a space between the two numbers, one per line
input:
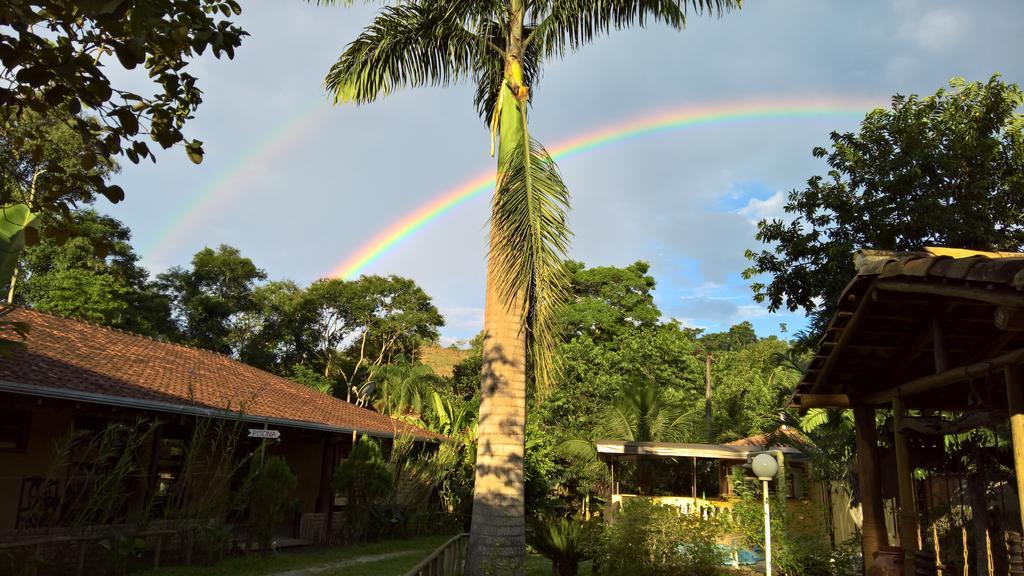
(321, 568)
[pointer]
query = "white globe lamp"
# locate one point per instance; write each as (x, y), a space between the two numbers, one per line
(765, 467)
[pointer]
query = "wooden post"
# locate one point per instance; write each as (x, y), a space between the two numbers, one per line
(905, 477)
(781, 482)
(694, 478)
(1015, 405)
(615, 489)
(869, 481)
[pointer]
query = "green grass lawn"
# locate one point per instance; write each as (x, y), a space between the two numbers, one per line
(417, 549)
(537, 565)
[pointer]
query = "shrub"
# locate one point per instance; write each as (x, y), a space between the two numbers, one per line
(651, 540)
(268, 490)
(846, 558)
(363, 477)
(803, 554)
(564, 541)
(799, 546)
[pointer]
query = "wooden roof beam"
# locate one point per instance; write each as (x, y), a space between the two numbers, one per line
(844, 338)
(804, 401)
(1012, 299)
(993, 346)
(942, 379)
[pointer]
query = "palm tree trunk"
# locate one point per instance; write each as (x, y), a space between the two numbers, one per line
(497, 543)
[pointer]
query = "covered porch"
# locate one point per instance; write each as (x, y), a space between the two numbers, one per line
(926, 349)
(695, 478)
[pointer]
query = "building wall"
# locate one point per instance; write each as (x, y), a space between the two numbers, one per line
(304, 453)
(49, 421)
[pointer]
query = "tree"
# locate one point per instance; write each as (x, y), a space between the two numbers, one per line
(465, 379)
(737, 337)
(56, 54)
(362, 477)
(278, 332)
(649, 411)
(402, 389)
(42, 177)
(752, 387)
(605, 301)
(501, 45)
(393, 316)
(946, 170)
(645, 411)
(208, 299)
(269, 490)
(94, 276)
(41, 164)
(308, 377)
(331, 300)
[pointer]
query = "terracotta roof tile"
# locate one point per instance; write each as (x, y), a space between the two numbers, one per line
(74, 356)
(771, 441)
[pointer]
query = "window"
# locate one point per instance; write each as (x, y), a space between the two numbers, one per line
(13, 430)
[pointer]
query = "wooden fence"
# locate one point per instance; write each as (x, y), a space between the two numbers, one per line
(448, 560)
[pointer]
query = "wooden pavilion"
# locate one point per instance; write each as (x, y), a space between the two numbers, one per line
(936, 339)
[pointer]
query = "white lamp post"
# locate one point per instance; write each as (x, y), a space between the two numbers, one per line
(765, 467)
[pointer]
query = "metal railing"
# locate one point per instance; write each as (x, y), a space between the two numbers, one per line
(448, 560)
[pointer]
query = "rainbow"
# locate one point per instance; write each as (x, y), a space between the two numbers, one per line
(230, 182)
(647, 125)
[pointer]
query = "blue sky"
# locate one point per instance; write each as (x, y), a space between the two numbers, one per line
(685, 201)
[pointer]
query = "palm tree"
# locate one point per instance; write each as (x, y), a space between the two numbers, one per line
(644, 412)
(501, 45)
(400, 389)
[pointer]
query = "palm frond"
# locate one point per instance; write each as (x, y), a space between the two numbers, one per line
(406, 46)
(681, 423)
(577, 449)
(814, 419)
(490, 70)
(565, 25)
(837, 420)
(621, 421)
(530, 240)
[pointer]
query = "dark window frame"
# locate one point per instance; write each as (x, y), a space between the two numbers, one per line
(21, 444)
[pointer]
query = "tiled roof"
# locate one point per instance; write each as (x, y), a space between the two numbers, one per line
(943, 264)
(735, 450)
(882, 333)
(69, 357)
(774, 441)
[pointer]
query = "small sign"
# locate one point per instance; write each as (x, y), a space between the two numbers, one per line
(261, 433)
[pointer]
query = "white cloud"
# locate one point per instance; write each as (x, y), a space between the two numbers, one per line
(935, 30)
(691, 323)
(939, 29)
(463, 318)
(771, 207)
(749, 312)
(447, 341)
